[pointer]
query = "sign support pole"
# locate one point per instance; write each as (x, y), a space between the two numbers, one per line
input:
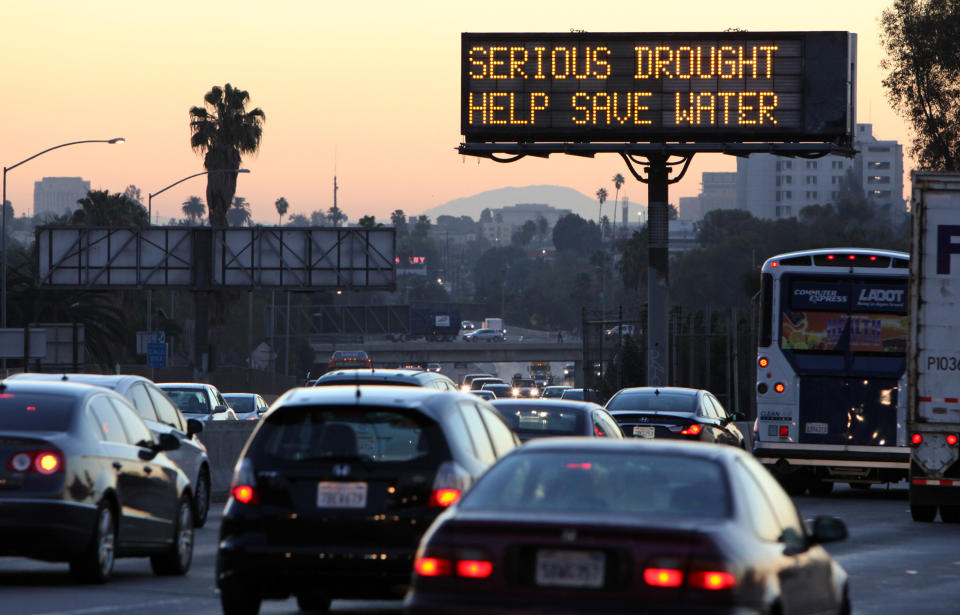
(658, 269)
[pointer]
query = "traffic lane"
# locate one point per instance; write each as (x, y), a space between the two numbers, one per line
(896, 566)
(29, 587)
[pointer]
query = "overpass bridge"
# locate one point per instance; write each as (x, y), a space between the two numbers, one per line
(390, 354)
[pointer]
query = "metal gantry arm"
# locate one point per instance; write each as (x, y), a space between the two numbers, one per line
(180, 181)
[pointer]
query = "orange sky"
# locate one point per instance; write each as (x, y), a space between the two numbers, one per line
(371, 88)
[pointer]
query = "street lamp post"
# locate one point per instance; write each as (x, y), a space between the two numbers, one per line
(3, 219)
(179, 181)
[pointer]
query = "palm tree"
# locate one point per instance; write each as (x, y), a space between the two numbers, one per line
(601, 196)
(100, 208)
(239, 212)
(223, 130)
(336, 215)
(282, 207)
(194, 209)
(617, 183)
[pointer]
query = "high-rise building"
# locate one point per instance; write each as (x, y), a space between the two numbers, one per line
(56, 196)
(771, 186)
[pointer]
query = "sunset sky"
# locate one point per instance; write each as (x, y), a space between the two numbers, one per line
(371, 89)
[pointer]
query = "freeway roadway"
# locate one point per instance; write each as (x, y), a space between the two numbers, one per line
(896, 567)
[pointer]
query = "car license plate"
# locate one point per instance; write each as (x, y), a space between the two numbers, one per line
(341, 495)
(570, 568)
(643, 431)
(816, 428)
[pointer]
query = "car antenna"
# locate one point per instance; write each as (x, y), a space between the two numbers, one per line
(64, 378)
(356, 378)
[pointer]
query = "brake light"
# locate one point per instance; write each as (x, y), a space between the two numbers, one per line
(763, 362)
(242, 487)
(42, 462)
(580, 466)
(441, 498)
(663, 577)
(952, 439)
(830, 257)
(692, 430)
(245, 494)
(474, 569)
(451, 482)
(852, 257)
(916, 438)
(784, 431)
(432, 566)
(713, 580)
(779, 387)
(774, 264)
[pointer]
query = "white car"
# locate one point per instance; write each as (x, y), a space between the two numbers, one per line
(199, 401)
(248, 406)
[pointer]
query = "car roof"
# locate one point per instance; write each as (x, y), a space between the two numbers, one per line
(653, 390)
(239, 394)
(549, 403)
(184, 385)
(422, 398)
(630, 445)
(109, 381)
(386, 375)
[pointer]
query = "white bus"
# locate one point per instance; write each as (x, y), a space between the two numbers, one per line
(831, 361)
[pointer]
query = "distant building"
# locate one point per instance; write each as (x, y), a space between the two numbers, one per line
(777, 187)
(689, 208)
(56, 196)
(496, 231)
(682, 236)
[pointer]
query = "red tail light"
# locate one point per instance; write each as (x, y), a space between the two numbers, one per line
(916, 438)
(710, 579)
(952, 439)
(432, 566)
(663, 577)
(763, 361)
(692, 430)
(474, 569)
(441, 498)
(42, 462)
(245, 494)
(779, 387)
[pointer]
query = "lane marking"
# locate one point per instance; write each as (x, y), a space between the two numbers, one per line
(113, 609)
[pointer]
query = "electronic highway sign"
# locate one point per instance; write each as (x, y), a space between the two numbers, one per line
(650, 87)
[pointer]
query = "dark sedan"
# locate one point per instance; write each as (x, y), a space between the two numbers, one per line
(538, 418)
(83, 480)
(500, 389)
(564, 525)
(674, 412)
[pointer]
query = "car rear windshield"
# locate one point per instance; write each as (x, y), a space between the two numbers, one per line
(36, 411)
(542, 420)
(240, 403)
(634, 483)
(668, 402)
(190, 401)
(370, 434)
(349, 355)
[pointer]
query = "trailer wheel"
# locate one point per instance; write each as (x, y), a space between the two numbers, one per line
(922, 514)
(950, 514)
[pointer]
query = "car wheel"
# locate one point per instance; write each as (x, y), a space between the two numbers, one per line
(95, 563)
(239, 600)
(176, 560)
(922, 514)
(950, 514)
(845, 608)
(313, 603)
(201, 502)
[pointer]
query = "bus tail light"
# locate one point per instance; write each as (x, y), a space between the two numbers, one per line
(916, 438)
(952, 439)
(779, 387)
(763, 362)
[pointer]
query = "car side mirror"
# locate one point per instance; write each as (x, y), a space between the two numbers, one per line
(194, 427)
(828, 529)
(167, 442)
(739, 416)
(219, 409)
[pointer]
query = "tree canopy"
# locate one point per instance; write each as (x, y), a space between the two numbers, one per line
(223, 130)
(922, 43)
(100, 208)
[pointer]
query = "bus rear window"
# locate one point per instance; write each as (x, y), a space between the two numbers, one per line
(766, 309)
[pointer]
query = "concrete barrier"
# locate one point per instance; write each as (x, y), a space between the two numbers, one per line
(224, 441)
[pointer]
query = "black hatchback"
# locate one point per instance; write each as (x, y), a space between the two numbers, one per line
(674, 412)
(336, 485)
